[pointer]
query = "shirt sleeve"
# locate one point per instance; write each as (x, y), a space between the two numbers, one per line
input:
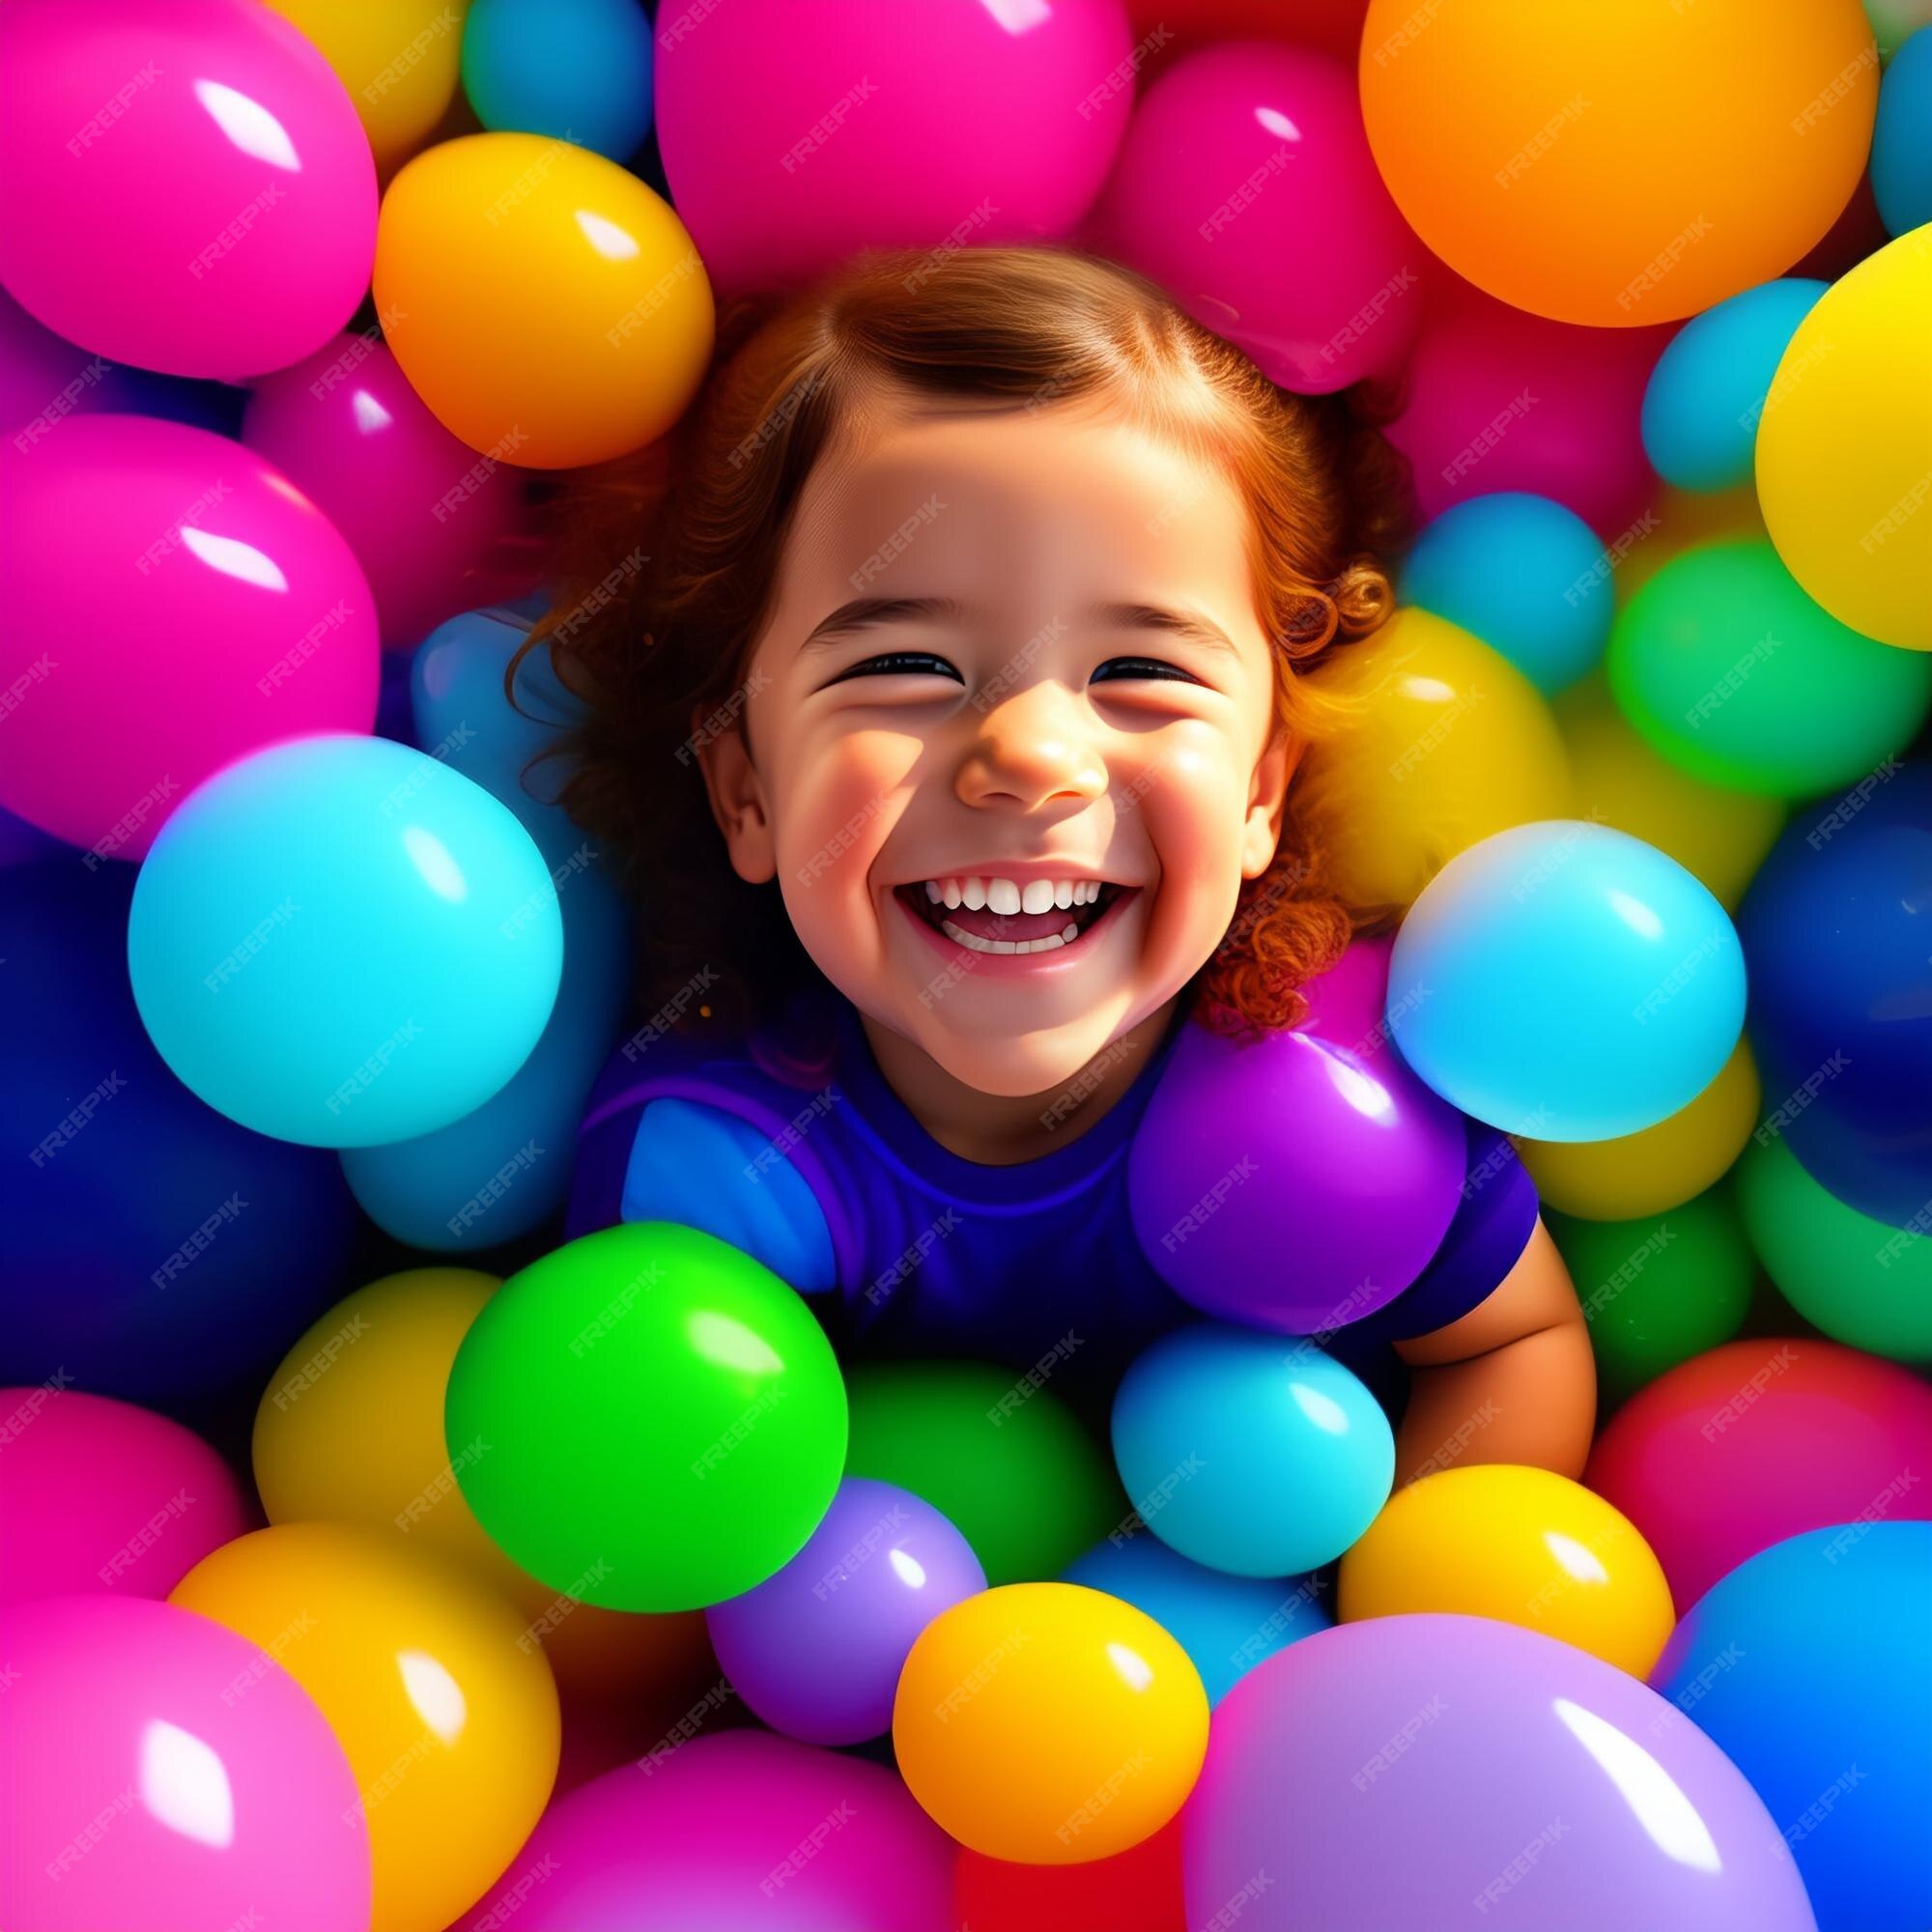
(695, 1164)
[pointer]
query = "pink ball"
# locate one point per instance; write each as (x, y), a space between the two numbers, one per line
(161, 1771)
(1758, 1440)
(1500, 400)
(793, 135)
(102, 1495)
(1247, 191)
(421, 510)
(192, 190)
(738, 1829)
(44, 381)
(172, 604)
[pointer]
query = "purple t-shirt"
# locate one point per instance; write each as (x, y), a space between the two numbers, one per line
(929, 1253)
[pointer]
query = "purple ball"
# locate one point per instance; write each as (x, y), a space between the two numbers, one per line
(1446, 1771)
(816, 1650)
(1301, 1181)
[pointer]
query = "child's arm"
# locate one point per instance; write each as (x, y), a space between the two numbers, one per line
(1512, 1380)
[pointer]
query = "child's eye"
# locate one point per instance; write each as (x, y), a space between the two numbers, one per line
(1141, 668)
(900, 664)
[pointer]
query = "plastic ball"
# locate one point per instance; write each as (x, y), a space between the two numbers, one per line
(1522, 1545)
(577, 70)
(346, 428)
(548, 306)
(154, 1249)
(1896, 21)
(1525, 575)
(1227, 1625)
(204, 201)
(1657, 1289)
(1581, 985)
(422, 942)
(45, 382)
(1835, 929)
(1335, 26)
(1248, 1455)
(1135, 1890)
(1901, 157)
(794, 139)
(1719, 835)
(1240, 157)
(815, 1650)
(1708, 390)
(1443, 742)
(1007, 1465)
(1515, 1772)
(666, 1421)
(1865, 1283)
(448, 1720)
(744, 1829)
(1806, 1665)
(1321, 1126)
(1756, 1441)
(1841, 469)
(1500, 400)
(1609, 164)
(1048, 1724)
(1657, 1168)
(1730, 670)
(102, 1495)
(1679, 520)
(397, 59)
(173, 605)
(161, 1771)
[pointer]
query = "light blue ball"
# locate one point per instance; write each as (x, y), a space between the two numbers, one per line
(1527, 576)
(1706, 394)
(1567, 982)
(338, 941)
(1808, 1665)
(1227, 1625)
(1250, 1453)
(577, 70)
(1901, 153)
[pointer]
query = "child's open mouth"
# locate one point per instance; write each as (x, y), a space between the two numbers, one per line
(1001, 915)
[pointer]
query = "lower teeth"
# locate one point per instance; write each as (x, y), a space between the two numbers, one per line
(975, 944)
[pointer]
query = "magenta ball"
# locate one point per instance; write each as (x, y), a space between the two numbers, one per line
(161, 1771)
(44, 381)
(815, 1650)
(1423, 1771)
(1247, 188)
(1321, 1130)
(793, 135)
(102, 1495)
(421, 511)
(1500, 400)
(193, 190)
(738, 1830)
(172, 604)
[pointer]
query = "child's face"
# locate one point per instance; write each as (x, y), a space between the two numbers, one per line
(1092, 706)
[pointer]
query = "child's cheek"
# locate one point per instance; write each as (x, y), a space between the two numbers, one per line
(1195, 810)
(832, 812)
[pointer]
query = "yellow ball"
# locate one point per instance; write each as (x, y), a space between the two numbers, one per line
(1442, 741)
(1844, 447)
(1722, 836)
(1520, 1545)
(397, 57)
(1049, 1724)
(448, 1719)
(545, 304)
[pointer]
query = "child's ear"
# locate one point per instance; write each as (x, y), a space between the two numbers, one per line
(737, 798)
(1268, 798)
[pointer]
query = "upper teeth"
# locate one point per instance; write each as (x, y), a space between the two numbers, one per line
(1008, 895)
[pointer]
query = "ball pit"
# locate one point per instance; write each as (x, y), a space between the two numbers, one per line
(935, 1476)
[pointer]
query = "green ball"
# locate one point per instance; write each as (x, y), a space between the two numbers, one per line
(1659, 1289)
(647, 1419)
(1863, 1282)
(1003, 1460)
(1733, 674)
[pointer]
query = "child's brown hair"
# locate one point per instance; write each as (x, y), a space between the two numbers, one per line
(669, 561)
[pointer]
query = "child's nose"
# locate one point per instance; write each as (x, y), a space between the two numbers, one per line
(1032, 750)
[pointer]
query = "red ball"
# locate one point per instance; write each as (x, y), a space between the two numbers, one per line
(1137, 1891)
(1758, 1440)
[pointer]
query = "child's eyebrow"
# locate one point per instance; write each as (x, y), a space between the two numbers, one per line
(863, 613)
(1195, 629)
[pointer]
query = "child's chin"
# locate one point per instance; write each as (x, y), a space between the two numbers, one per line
(1011, 1068)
